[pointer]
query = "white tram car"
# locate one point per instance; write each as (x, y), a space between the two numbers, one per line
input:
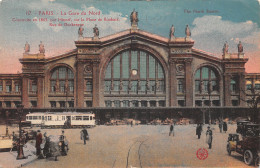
(61, 119)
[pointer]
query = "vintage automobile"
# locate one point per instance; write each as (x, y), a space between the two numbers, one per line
(248, 145)
(6, 143)
(241, 126)
(54, 146)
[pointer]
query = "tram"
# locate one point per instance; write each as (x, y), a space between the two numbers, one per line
(61, 119)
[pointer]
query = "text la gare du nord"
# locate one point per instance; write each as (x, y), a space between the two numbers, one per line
(72, 13)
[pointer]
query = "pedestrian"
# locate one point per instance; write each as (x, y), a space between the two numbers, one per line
(38, 142)
(198, 130)
(220, 126)
(171, 130)
(209, 137)
(84, 135)
(225, 127)
(132, 123)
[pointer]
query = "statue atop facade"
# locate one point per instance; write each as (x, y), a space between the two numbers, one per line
(80, 31)
(172, 30)
(225, 48)
(187, 31)
(27, 48)
(134, 18)
(240, 47)
(96, 31)
(41, 48)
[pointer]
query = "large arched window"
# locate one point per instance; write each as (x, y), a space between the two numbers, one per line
(135, 72)
(206, 80)
(62, 80)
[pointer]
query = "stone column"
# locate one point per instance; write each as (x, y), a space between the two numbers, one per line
(227, 95)
(95, 79)
(188, 82)
(40, 91)
(80, 84)
(25, 96)
(242, 91)
(172, 83)
(4, 86)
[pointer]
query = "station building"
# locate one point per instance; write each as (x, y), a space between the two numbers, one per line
(129, 71)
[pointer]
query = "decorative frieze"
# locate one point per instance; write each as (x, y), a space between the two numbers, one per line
(180, 50)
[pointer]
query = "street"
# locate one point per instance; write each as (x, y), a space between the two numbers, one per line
(142, 146)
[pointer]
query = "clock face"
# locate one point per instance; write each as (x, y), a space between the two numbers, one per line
(134, 72)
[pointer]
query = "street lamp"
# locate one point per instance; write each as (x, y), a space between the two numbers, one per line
(203, 98)
(20, 154)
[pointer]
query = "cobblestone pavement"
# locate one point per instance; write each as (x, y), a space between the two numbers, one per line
(142, 146)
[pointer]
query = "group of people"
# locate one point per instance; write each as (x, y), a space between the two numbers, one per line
(224, 126)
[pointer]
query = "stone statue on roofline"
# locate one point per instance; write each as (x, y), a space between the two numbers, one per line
(27, 48)
(41, 48)
(240, 47)
(96, 31)
(187, 31)
(225, 48)
(134, 18)
(80, 31)
(172, 30)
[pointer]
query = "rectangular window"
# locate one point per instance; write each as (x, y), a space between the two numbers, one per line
(257, 86)
(125, 103)
(1, 88)
(53, 104)
(134, 103)
(143, 103)
(17, 88)
(152, 103)
(197, 75)
(116, 68)
(205, 73)
(85, 117)
(206, 86)
(108, 71)
(91, 118)
(134, 86)
(197, 86)
(34, 87)
(62, 86)
(8, 88)
(30, 117)
(53, 83)
(62, 104)
(198, 103)
(214, 85)
(125, 86)
(134, 60)
(180, 85)
(108, 103)
(35, 117)
(107, 86)
(89, 103)
(89, 86)
(125, 65)
(78, 117)
(142, 65)
(116, 85)
(62, 73)
(161, 103)
(49, 118)
(116, 103)
(181, 103)
(71, 86)
(70, 74)
(160, 71)
(151, 67)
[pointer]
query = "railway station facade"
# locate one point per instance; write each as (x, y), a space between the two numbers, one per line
(132, 69)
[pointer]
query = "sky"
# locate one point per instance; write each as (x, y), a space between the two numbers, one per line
(212, 22)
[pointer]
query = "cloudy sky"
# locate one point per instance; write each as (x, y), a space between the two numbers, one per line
(231, 21)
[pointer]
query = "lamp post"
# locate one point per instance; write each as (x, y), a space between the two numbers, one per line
(20, 154)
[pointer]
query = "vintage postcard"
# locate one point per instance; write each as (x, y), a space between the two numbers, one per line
(129, 83)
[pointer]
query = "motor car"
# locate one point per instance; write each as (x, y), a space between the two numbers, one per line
(247, 144)
(241, 126)
(6, 143)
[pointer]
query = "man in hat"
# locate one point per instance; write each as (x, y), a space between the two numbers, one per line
(84, 135)
(171, 130)
(38, 142)
(209, 137)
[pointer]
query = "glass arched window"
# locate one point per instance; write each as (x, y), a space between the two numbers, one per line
(135, 72)
(234, 85)
(206, 80)
(62, 80)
